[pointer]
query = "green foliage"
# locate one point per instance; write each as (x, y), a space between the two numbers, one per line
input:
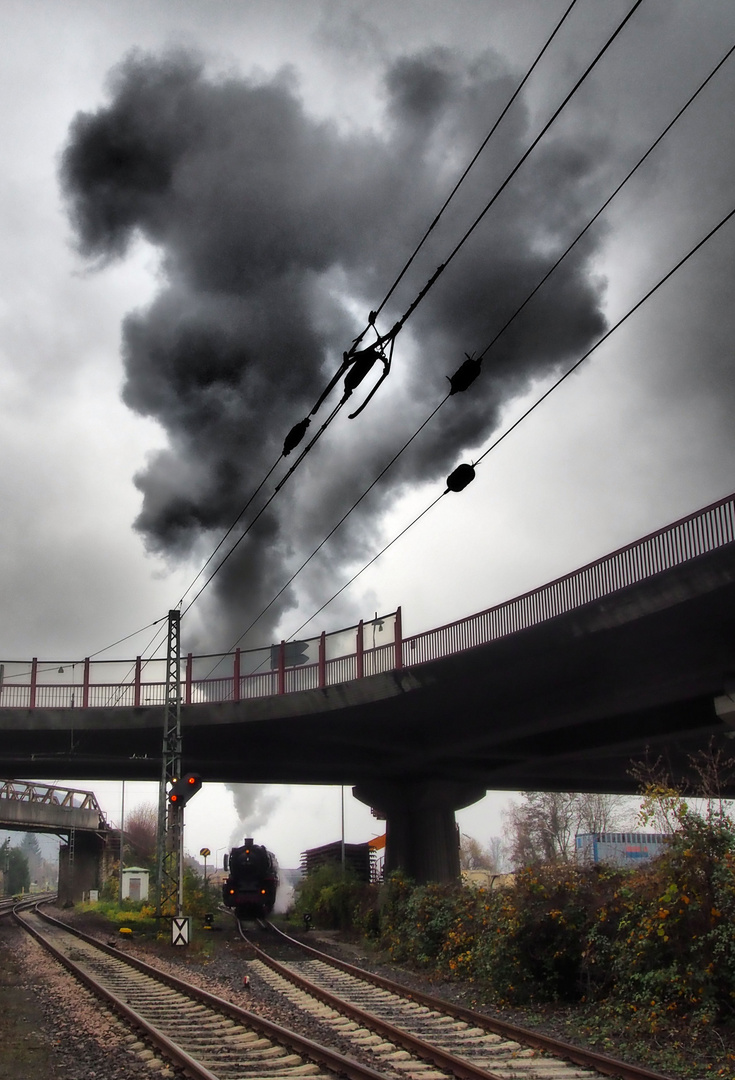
(652, 949)
(425, 924)
(536, 944)
(196, 902)
(111, 888)
(673, 950)
(139, 915)
(17, 871)
(332, 898)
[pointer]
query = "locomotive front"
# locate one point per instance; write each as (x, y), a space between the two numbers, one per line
(253, 880)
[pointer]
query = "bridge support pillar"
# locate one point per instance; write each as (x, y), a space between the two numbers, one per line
(87, 870)
(421, 833)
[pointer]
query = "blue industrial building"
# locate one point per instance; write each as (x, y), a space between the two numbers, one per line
(621, 848)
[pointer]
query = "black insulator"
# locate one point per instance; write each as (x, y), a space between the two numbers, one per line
(465, 374)
(460, 478)
(295, 436)
(361, 364)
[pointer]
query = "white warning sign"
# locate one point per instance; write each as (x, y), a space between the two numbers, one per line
(180, 930)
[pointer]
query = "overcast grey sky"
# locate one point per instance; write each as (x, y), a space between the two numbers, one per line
(168, 312)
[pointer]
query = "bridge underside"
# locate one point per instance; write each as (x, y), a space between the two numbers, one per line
(565, 705)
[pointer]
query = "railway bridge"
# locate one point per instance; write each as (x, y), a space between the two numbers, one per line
(71, 814)
(558, 689)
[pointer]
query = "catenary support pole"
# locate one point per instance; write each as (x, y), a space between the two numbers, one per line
(170, 815)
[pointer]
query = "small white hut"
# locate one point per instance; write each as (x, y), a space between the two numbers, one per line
(135, 883)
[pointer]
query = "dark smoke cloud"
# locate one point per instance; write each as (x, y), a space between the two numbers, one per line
(272, 226)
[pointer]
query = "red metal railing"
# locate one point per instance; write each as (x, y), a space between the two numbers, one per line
(704, 531)
(369, 648)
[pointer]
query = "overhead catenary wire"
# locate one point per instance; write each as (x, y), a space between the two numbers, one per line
(606, 335)
(543, 397)
(422, 241)
(434, 223)
(477, 360)
(473, 161)
(341, 521)
(234, 524)
(491, 202)
(127, 637)
(607, 201)
(89, 656)
(389, 338)
(704, 240)
(367, 565)
(117, 692)
(515, 314)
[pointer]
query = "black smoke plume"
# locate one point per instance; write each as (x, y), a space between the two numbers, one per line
(278, 232)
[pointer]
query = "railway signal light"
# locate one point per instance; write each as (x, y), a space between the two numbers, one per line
(183, 788)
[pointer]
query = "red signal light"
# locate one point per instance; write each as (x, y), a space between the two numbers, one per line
(183, 789)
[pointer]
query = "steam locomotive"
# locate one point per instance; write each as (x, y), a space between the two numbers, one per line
(252, 882)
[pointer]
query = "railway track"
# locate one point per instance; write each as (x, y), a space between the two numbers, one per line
(206, 1036)
(447, 1038)
(9, 903)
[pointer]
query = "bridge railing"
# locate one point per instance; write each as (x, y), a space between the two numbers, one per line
(366, 649)
(370, 648)
(686, 539)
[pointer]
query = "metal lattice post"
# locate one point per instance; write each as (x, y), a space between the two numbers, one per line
(71, 845)
(170, 816)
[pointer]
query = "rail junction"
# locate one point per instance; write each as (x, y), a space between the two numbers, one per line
(393, 1033)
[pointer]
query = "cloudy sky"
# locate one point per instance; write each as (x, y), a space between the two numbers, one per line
(201, 203)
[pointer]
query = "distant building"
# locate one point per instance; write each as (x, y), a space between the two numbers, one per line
(486, 879)
(622, 849)
(360, 859)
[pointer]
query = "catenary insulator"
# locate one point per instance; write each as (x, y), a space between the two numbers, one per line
(361, 363)
(460, 478)
(295, 436)
(465, 374)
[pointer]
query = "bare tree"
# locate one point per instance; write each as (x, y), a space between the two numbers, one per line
(715, 772)
(141, 828)
(473, 856)
(600, 813)
(543, 826)
(665, 795)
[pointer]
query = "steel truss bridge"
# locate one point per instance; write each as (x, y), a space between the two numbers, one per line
(36, 807)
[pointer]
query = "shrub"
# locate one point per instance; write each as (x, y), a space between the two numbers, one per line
(331, 897)
(536, 933)
(675, 945)
(656, 943)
